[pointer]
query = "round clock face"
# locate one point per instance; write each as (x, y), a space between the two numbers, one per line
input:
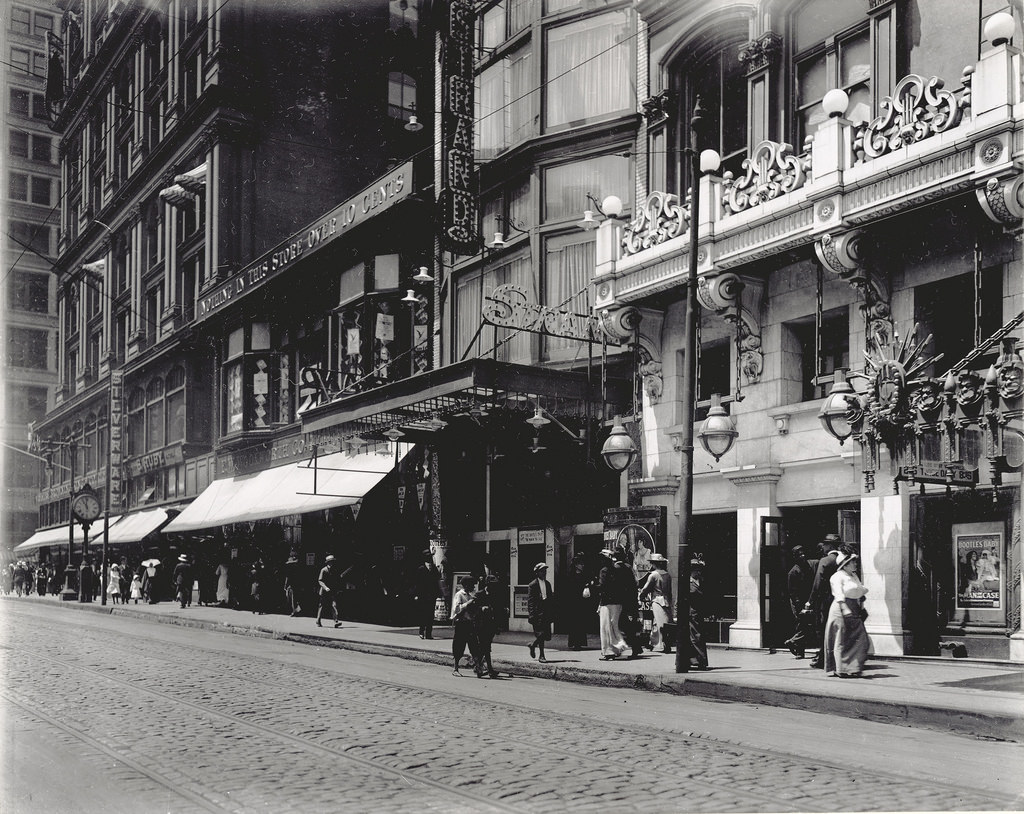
(86, 507)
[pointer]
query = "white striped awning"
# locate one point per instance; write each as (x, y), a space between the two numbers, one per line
(59, 536)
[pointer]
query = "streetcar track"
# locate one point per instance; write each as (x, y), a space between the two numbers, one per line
(283, 665)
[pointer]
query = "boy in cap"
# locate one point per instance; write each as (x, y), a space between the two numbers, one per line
(329, 585)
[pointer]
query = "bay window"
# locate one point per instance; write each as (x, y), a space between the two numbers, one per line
(155, 414)
(249, 376)
(175, 405)
(566, 185)
(568, 267)
(470, 293)
(504, 104)
(137, 422)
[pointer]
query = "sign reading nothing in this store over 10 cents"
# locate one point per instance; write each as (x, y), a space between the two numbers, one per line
(384, 193)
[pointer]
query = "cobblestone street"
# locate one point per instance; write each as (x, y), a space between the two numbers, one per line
(183, 720)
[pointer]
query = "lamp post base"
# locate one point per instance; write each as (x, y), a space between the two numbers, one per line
(69, 594)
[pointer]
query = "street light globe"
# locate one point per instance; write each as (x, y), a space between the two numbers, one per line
(618, 450)
(841, 409)
(612, 206)
(718, 432)
(710, 161)
(999, 28)
(835, 102)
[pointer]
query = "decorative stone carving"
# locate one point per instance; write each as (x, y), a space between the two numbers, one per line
(772, 169)
(620, 324)
(654, 385)
(760, 54)
(846, 255)
(1003, 201)
(656, 108)
(719, 293)
(660, 218)
(917, 109)
(723, 295)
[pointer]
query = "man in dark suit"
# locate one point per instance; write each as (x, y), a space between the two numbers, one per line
(427, 590)
(540, 610)
(798, 584)
(820, 598)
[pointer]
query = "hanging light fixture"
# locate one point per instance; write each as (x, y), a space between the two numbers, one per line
(410, 297)
(588, 224)
(618, 450)
(394, 434)
(423, 275)
(413, 125)
(841, 410)
(498, 242)
(436, 422)
(718, 431)
(537, 420)
(536, 446)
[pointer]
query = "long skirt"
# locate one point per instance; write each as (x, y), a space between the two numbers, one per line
(612, 641)
(846, 641)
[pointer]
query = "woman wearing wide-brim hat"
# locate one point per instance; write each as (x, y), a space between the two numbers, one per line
(846, 640)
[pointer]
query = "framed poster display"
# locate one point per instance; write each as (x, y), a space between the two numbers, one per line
(979, 564)
(521, 602)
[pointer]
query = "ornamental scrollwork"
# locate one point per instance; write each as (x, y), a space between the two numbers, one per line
(660, 218)
(918, 108)
(772, 169)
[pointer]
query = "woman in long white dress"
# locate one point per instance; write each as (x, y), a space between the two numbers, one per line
(846, 641)
(114, 583)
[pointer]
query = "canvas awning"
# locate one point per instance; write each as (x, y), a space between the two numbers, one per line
(337, 479)
(133, 527)
(59, 536)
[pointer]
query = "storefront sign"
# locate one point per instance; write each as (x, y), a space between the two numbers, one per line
(115, 453)
(978, 553)
(155, 460)
(457, 198)
(383, 194)
(953, 474)
(521, 602)
(531, 536)
(509, 307)
(640, 531)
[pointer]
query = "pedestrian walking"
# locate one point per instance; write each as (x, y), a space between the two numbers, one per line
(484, 629)
(182, 577)
(609, 609)
(149, 587)
(136, 589)
(540, 606)
(124, 582)
(630, 624)
(577, 602)
(257, 586)
(658, 586)
(698, 649)
(114, 583)
(85, 581)
(427, 588)
(819, 601)
(223, 585)
(329, 584)
(846, 640)
(292, 581)
(462, 621)
(798, 584)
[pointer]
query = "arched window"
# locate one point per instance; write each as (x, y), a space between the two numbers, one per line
(78, 435)
(155, 414)
(175, 405)
(137, 422)
(712, 71)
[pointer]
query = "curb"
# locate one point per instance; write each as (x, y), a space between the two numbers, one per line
(995, 725)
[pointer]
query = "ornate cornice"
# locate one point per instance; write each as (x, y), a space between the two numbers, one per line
(745, 477)
(655, 487)
(1002, 200)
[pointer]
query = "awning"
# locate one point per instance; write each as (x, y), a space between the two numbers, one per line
(133, 527)
(471, 386)
(59, 536)
(338, 479)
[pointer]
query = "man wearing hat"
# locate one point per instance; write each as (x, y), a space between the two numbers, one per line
(658, 586)
(183, 580)
(540, 610)
(330, 584)
(427, 588)
(820, 599)
(609, 608)
(798, 584)
(292, 579)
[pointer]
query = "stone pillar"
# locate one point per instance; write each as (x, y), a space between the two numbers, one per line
(884, 554)
(756, 497)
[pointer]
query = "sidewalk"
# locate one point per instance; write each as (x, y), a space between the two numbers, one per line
(982, 698)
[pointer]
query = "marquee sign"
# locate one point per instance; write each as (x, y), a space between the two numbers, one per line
(509, 307)
(457, 199)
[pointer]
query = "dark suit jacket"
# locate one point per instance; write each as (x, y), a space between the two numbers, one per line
(539, 610)
(821, 590)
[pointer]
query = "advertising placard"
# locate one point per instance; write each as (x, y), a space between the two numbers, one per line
(978, 560)
(521, 602)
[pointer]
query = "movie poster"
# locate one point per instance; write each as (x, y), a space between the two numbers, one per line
(979, 567)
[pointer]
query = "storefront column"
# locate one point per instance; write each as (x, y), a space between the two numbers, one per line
(1013, 584)
(884, 555)
(756, 497)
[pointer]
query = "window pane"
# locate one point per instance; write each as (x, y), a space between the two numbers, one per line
(39, 107)
(734, 104)
(817, 20)
(19, 143)
(20, 20)
(44, 23)
(19, 102)
(568, 267)
(42, 149)
(468, 304)
(260, 336)
(29, 291)
(520, 14)
(17, 186)
(233, 397)
(176, 416)
(41, 191)
(812, 80)
(940, 39)
(26, 347)
(855, 60)
(20, 60)
(235, 340)
(605, 84)
(566, 186)
(493, 33)
(490, 101)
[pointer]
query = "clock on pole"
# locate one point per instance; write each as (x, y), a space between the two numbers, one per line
(86, 505)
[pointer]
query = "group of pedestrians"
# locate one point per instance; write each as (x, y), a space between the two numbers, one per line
(474, 616)
(23, 579)
(832, 617)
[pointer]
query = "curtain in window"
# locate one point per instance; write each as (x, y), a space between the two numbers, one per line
(520, 110)
(568, 268)
(490, 98)
(518, 271)
(566, 186)
(468, 304)
(589, 70)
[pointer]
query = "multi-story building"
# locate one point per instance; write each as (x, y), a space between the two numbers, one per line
(866, 216)
(238, 183)
(30, 216)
